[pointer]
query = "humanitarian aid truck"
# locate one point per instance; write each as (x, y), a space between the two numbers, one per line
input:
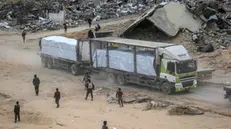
(164, 66)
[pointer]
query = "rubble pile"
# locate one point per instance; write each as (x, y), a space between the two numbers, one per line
(27, 14)
(201, 26)
(33, 15)
(185, 110)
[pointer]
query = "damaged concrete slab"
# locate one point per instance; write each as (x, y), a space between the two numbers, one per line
(173, 17)
(169, 19)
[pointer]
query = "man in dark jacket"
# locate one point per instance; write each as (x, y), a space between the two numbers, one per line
(36, 83)
(90, 88)
(16, 112)
(105, 125)
(119, 96)
(57, 97)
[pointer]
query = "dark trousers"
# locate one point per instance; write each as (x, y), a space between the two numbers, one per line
(65, 30)
(89, 91)
(120, 101)
(57, 102)
(16, 116)
(36, 90)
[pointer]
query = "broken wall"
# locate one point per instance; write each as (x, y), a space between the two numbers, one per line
(57, 17)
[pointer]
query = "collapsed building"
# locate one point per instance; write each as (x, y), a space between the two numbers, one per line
(205, 22)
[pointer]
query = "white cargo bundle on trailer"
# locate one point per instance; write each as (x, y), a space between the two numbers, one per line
(123, 60)
(59, 47)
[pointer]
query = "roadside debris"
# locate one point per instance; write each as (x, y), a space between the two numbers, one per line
(111, 98)
(4, 96)
(185, 110)
(155, 105)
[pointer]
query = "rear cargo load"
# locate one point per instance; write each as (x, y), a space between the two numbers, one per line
(123, 60)
(59, 47)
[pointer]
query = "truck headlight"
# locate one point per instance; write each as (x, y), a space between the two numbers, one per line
(195, 82)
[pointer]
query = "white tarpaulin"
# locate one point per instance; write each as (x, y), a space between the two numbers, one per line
(59, 47)
(123, 60)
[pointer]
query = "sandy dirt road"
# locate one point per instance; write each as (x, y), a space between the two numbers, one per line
(19, 62)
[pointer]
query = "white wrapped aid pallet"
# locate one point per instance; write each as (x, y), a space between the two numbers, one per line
(59, 47)
(123, 61)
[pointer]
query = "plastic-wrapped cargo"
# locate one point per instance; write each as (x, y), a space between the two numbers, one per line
(123, 60)
(59, 47)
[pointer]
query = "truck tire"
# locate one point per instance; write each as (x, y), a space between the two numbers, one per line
(111, 77)
(49, 63)
(74, 69)
(44, 62)
(166, 88)
(121, 80)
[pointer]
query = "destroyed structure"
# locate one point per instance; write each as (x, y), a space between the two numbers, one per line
(206, 22)
(33, 15)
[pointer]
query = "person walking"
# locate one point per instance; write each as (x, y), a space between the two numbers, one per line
(36, 83)
(57, 97)
(119, 96)
(86, 78)
(65, 27)
(105, 125)
(24, 36)
(16, 112)
(40, 44)
(90, 88)
(89, 21)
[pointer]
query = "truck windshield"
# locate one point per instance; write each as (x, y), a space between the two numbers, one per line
(186, 66)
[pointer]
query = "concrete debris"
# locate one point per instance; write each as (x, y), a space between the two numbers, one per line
(170, 22)
(185, 110)
(154, 104)
(206, 22)
(49, 15)
(111, 98)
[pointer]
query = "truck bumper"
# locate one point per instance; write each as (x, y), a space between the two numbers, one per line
(180, 88)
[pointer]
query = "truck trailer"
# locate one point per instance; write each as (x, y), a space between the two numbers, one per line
(68, 53)
(164, 66)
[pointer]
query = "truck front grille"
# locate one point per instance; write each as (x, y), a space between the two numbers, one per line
(187, 83)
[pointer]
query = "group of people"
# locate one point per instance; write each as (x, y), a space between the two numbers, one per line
(89, 86)
(36, 83)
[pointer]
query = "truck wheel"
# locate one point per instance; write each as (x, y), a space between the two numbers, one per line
(44, 62)
(111, 77)
(74, 69)
(121, 80)
(166, 88)
(50, 63)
